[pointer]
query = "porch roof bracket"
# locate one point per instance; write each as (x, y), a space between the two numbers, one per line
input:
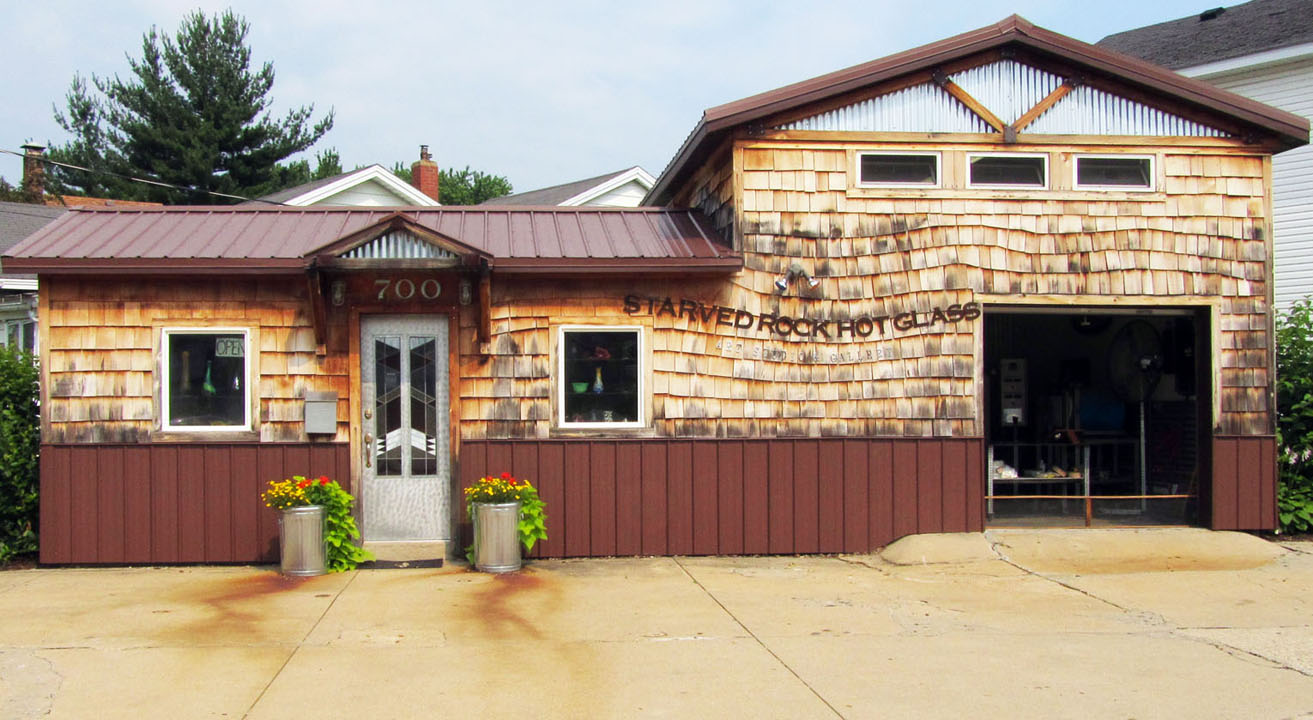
(318, 310)
(485, 310)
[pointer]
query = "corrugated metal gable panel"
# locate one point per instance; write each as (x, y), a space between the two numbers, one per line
(920, 108)
(397, 245)
(1090, 111)
(1008, 88)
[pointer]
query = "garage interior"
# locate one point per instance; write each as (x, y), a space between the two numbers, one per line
(1096, 417)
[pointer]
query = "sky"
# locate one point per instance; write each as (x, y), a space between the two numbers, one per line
(540, 92)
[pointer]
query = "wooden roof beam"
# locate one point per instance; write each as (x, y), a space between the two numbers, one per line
(1043, 105)
(974, 105)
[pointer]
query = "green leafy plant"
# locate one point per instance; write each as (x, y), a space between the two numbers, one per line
(505, 489)
(20, 446)
(339, 525)
(1295, 417)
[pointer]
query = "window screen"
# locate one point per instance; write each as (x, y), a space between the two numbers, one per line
(899, 169)
(1128, 172)
(1010, 170)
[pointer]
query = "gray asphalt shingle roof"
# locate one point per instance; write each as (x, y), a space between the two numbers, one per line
(554, 195)
(18, 220)
(1211, 35)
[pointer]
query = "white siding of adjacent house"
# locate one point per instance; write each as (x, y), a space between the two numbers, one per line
(1289, 86)
(366, 194)
(628, 195)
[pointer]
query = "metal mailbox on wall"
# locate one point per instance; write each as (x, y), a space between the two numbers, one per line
(320, 413)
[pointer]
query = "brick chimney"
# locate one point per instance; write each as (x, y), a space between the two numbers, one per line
(34, 171)
(424, 173)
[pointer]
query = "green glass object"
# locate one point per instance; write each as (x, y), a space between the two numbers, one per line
(207, 387)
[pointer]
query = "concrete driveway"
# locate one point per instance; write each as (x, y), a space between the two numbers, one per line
(1054, 624)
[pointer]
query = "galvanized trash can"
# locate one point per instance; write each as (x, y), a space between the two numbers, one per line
(301, 540)
(497, 537)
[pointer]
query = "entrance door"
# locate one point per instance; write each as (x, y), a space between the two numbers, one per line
(406, 469)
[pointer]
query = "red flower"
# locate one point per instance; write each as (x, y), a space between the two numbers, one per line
(505, 476)
(303, 484)
(323, 480)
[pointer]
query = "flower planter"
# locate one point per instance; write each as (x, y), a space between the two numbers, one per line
(497, 537)
(301, 540)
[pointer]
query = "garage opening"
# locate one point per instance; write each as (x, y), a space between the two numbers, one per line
(1096, 416)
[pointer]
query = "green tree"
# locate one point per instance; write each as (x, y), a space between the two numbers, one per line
(193, 112)
(12, 193)
(327, 164)
(463, 187)
(1295, 417)
(20, 445)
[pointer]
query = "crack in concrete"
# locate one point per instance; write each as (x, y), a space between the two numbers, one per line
(1242, 653)
(299, 645)
(37, 677)
(758, 640)
(995, 545)
(1152, 617)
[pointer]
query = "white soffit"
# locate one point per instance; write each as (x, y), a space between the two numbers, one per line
(397, 245)
(1008, 89)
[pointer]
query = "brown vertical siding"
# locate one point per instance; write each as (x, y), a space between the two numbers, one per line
(1244, 483)
(109, 504)
(717, 496)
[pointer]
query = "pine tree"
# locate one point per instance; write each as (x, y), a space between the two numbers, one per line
(192, 113)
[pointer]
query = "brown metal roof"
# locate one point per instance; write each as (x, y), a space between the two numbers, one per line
(1287, 129)
(278, 239)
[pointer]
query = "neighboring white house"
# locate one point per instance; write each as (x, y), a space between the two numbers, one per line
(624, 188)
(18, 292)
(373, 186)
(1263, 50)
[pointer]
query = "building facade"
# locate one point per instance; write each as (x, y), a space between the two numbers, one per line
(1006, 278)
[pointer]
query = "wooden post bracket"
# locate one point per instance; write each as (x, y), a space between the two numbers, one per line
(485, 311)
(318, 311)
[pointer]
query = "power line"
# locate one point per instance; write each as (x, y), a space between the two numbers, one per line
(144, 181)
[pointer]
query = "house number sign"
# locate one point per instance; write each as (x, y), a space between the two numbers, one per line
(394, 289)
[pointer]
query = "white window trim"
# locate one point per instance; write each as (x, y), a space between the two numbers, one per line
(562, 385)
(994, 186)
(1153, 172)
(939, 169)
(164, 379)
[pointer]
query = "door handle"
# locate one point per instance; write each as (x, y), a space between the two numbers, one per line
(368, 446)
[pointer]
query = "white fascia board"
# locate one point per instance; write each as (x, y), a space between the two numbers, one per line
(633, 174)
(1248, 62)
(377, 173)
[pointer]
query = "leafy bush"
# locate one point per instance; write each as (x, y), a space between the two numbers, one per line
(1295, 417)
(20, 446)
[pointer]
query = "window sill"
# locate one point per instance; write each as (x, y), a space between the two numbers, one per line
(190, 436)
